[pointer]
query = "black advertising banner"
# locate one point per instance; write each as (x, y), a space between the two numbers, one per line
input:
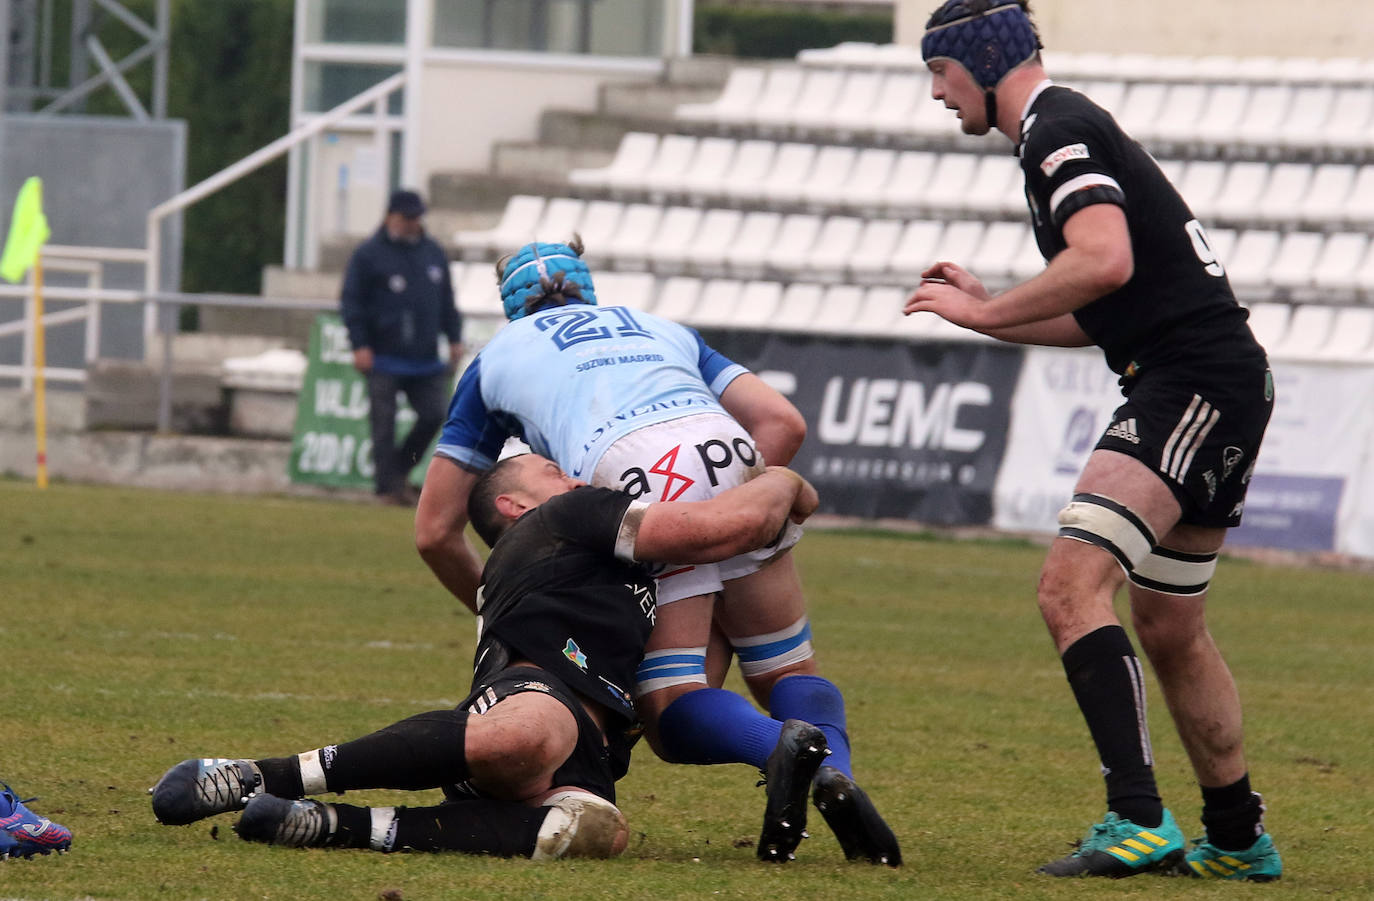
(894, 429)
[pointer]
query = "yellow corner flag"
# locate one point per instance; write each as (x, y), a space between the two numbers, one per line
(28, 232)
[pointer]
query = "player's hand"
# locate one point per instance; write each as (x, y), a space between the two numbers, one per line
(958, 276)
(806, 501)
(362, 360)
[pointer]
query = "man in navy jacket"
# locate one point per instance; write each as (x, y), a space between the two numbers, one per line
(397, 297)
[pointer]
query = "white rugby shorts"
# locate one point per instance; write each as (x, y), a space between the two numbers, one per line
(693, 458)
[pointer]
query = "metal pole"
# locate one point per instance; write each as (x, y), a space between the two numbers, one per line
(162, 62)
(164, 391)
(418, 16)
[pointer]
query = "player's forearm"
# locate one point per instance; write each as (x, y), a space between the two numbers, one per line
(456, 564)
(745, 518)
(1062, 331)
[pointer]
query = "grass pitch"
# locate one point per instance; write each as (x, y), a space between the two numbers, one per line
(140, 628)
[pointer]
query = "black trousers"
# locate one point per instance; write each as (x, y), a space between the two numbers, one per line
(428, 396)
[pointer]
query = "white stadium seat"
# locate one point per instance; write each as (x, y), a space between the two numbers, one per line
(902, 95)
(832, 168)
(1269, 322)
(1179, 114)
(631, 160)
(638, 236)
(1221, 114)
(745, 254)
(1264, 113)
(1328, 193)
(752, 162)
(996, 187)
(716, 306)
(598, 225)
(1309, 329)
(1295, 260)
(478, 292)
(625, 289)
(735, 101)
(774, 103)
(1359, 206)
(855, 103)
(959, 242)
(791, 167)
(1349, 124)
(790, 252)
(1200, 185)
(1028, 262)
(677, 298)
(667, 171)
(1248, 265)
(880, 315)
(713, 238)
(1287, 186)
(1239, 195)
(819, 93)
(1140, 108)
(833, 248)
(951, 181)
(873, 249)
(558, 222)
(1352, 335)
(758, 304)
(516, 227)
(996, 256)
(868, 180)
(915, 250)
(798, 307)
(1301, 127)
(839, 309)
(1341, 257)
(709, 166)
(909, 178)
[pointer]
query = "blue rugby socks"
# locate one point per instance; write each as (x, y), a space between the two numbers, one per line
(819, 702)
(712, 725)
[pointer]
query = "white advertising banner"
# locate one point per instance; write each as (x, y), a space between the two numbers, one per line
(1063, 402)
(1313, 486)
(1304, 495)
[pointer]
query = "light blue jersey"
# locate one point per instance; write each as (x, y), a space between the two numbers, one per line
(571, 380)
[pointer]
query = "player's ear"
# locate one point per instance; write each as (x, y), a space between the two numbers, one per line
(510, 506)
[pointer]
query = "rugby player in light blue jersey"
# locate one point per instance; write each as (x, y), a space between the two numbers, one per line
(631, 401)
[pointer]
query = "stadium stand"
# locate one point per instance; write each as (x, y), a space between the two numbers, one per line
(808, 194)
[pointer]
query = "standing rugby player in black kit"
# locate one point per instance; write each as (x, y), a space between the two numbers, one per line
(1129, 270)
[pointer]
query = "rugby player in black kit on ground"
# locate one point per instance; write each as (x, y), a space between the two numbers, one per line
(1129, 270)
(530, 759)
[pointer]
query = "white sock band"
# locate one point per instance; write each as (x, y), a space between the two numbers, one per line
(312, 773)
(383, 836)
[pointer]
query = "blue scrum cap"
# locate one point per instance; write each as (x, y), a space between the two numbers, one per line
(988, 38)
(538, 269)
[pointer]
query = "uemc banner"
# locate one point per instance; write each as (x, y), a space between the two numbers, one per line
(895, 430)
(332, 442)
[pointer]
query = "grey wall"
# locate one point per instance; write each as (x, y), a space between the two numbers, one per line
(101, 176)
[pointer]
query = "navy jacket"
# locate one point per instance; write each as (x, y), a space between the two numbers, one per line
(397, 297)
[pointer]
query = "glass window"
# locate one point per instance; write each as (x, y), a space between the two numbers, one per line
(355, 21)
(329, 84)
(602, 27)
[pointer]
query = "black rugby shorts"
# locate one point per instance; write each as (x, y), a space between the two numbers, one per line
(1200, 433)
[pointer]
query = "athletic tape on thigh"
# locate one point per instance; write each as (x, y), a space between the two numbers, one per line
(761, 654)
(1112, 526)
(1175, 572)
(669, 667)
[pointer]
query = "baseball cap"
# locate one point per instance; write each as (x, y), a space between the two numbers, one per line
(407, 203)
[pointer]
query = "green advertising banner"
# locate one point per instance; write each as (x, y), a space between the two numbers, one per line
(332, 444)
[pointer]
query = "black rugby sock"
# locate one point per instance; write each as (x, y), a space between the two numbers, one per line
(1109, 685)
(423, 751)
(480, 826)
(1233, 815)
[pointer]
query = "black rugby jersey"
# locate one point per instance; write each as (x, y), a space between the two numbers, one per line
(1177, 308)
(554, 593)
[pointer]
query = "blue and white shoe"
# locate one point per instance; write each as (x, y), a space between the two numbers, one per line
(24, 833)
(202, 787)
